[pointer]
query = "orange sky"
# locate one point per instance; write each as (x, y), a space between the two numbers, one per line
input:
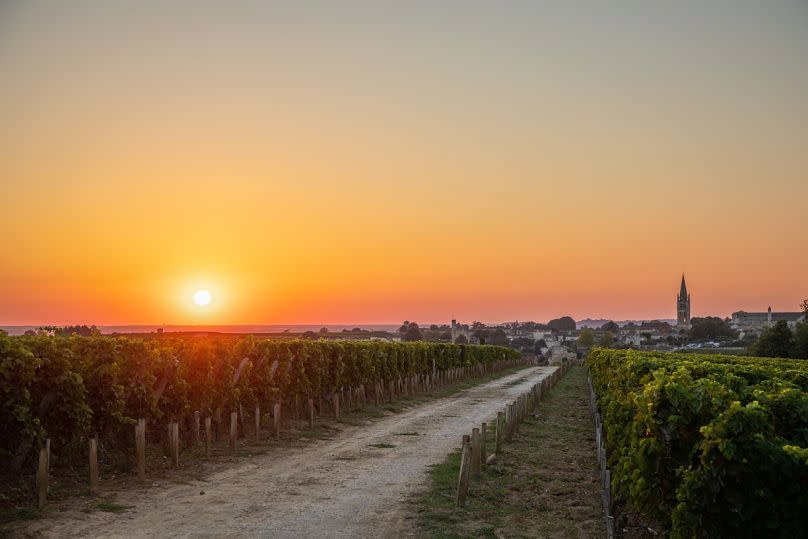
(309, 165)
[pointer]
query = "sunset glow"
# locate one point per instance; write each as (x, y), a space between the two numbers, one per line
(202, 298)
(369, 165)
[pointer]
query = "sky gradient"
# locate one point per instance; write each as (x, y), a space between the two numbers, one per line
(370, 162)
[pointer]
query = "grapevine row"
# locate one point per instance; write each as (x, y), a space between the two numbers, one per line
(71, 389)
(707, 446)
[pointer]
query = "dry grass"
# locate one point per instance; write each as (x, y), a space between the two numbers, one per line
(545, 485)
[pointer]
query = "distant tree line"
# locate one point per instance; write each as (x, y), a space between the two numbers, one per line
(710, 328)
(610, 326)
(410, 332)
(66, 331)
(565, 323)
(586, 338)
(780, 341)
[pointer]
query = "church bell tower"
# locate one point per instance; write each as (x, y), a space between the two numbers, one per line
(683, 306)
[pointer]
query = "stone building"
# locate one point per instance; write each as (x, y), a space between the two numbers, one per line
(558, 353)
(683, 307)
(460, 329)
(744, 321)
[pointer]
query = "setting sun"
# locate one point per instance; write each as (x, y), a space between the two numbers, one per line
(202, 297)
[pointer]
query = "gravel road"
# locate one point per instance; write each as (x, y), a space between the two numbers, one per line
(341, 487)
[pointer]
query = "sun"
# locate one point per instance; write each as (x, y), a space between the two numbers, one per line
(202, 297)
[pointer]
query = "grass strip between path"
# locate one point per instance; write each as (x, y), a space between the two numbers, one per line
(545, 484)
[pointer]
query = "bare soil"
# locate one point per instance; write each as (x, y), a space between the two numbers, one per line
(356, 484)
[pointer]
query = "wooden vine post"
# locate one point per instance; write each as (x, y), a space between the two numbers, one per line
(233, 431)
(257, 421)
(243, 431)
(276, 419)
(498, 434)
(336, 404)
(509, 421)
(42, 478)
(208, 436)
(475, 452)
(140, 447)
(311, 413)
(483, 435)
(196, 427)
(174, 443)
(93, 465)
(463, 476)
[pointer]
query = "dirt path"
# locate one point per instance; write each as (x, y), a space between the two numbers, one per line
(354, 485)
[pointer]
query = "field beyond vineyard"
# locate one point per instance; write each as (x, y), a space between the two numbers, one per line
(706, 446)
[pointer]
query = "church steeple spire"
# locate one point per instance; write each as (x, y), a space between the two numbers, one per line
(683, 306)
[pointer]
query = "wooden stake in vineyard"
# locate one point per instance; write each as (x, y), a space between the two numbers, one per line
(276, 419)
(483, 435)
(140, 447)
(42, 478)
(510, 420)
(196, 427)
(93, 465)
(475, 452)
(257, 421)
(498, 434)
(233, 431)
(208, 436)
(241, 416)
(174, 443)
(336, 404)
(465, 468)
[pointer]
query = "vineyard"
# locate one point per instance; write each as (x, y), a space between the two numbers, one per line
(71, 390)
(706, 446)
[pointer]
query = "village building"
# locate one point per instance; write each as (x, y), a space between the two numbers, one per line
(630, 338)
(459, 330)
(558, 353)
(542, 334)
(744, 321)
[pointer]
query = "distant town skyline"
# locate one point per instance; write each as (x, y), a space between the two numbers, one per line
(254, 326)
